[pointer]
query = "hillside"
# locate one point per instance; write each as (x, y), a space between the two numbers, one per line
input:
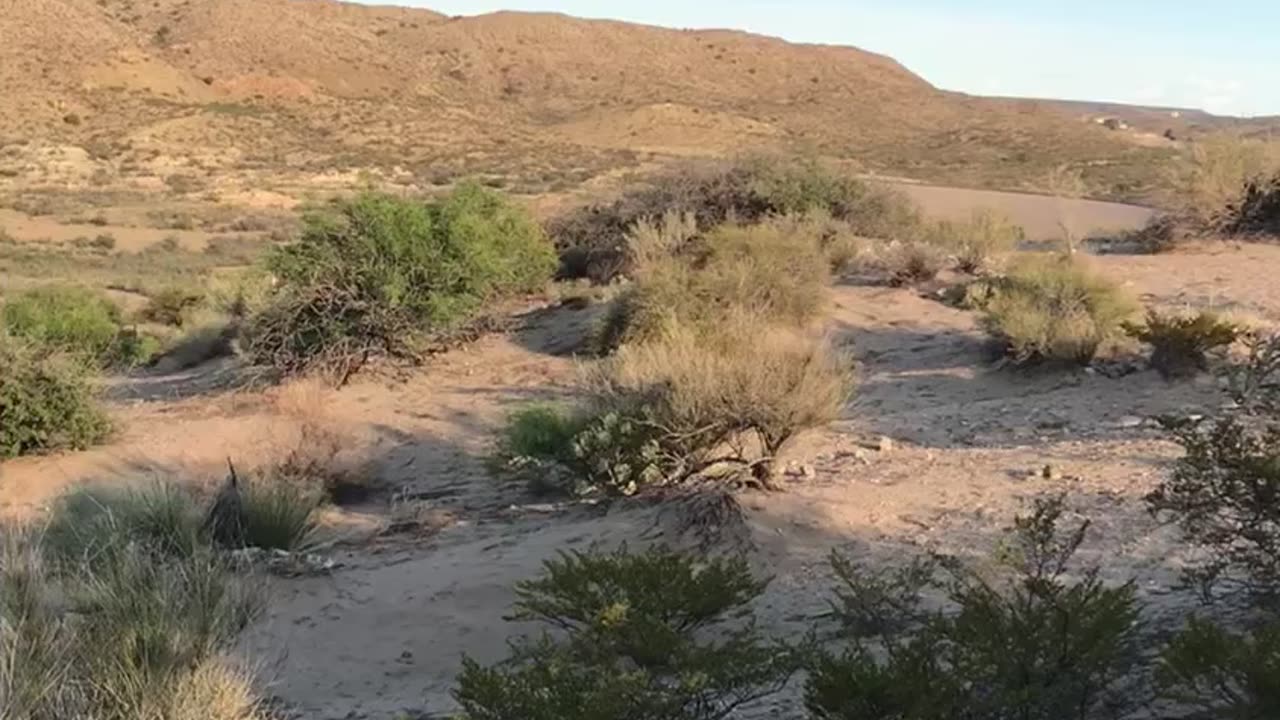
(238, 87)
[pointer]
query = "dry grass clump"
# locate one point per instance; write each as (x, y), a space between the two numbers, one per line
(1181, 343)
(981, 242)
(778, 274)
(1227, 186)
(127, 633)
(1054, 309)
(593, 241)
(692, 402)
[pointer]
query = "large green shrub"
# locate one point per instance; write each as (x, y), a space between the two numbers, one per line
(644, 636)
(1039, 642)
(73, 320)
(382, 274)
(47, 401)
(592, 240)
(1054, 309)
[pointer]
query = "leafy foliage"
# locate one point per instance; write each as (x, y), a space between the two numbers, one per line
(643, 636)
(1181, 343)
(383, 275)
(1031, 645)
(1055, 309)
(47, 402)
(1221, 674)
(1223, 494)
(72, 320)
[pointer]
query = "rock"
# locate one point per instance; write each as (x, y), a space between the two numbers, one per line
(885, 444)
(1049, 472)
(1129, 421)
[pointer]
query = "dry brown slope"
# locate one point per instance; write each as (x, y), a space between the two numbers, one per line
(365, 85)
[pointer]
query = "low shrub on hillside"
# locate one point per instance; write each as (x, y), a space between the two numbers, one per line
(775, 273)
(73, 320)
(1038, 642)
(908, 262)
(1053, 309)
(1181, 343)
(1222, 495)
(48, 402)
(656, 634)
(383, 275)
(593, 240)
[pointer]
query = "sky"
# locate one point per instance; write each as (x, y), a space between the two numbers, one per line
(1221, 56)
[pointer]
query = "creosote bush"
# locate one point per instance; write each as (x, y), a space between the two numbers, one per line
(592, 240)
(648, 635)
(1222, 494)
(1054, 309)
(385, 276)
(1181, 343)
(72, 320)
(1218, 673)
(1037, 642)
(48, 401)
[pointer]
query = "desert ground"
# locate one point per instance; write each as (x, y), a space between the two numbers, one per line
(938, 450)
(147, 149)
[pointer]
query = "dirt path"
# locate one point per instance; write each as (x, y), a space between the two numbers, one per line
(1041, 216)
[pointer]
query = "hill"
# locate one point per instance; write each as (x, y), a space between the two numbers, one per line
(275, 88)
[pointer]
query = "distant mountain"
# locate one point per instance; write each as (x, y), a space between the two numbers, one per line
(542, 100)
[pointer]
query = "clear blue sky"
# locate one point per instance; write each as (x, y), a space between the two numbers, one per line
(1222, 56)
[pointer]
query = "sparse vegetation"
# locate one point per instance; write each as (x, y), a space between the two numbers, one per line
(593, 240)
(980, 243)
(171, 306)
(47, 401)
(1216, 673)
(1181, 343)
(384, 275)
(1054, 309)
(655, 634)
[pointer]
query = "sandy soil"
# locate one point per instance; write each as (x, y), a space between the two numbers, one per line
(382, 635)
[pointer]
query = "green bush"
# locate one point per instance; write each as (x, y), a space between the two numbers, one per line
(1181, 343)
(73, 320)
(647, 635)
(1222, 494)
(1053, 309)
(277, 514)
(47, 402)
(1034, 644)
(382, 275)
(775, 273)
(1221, 674)
(592, 240)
